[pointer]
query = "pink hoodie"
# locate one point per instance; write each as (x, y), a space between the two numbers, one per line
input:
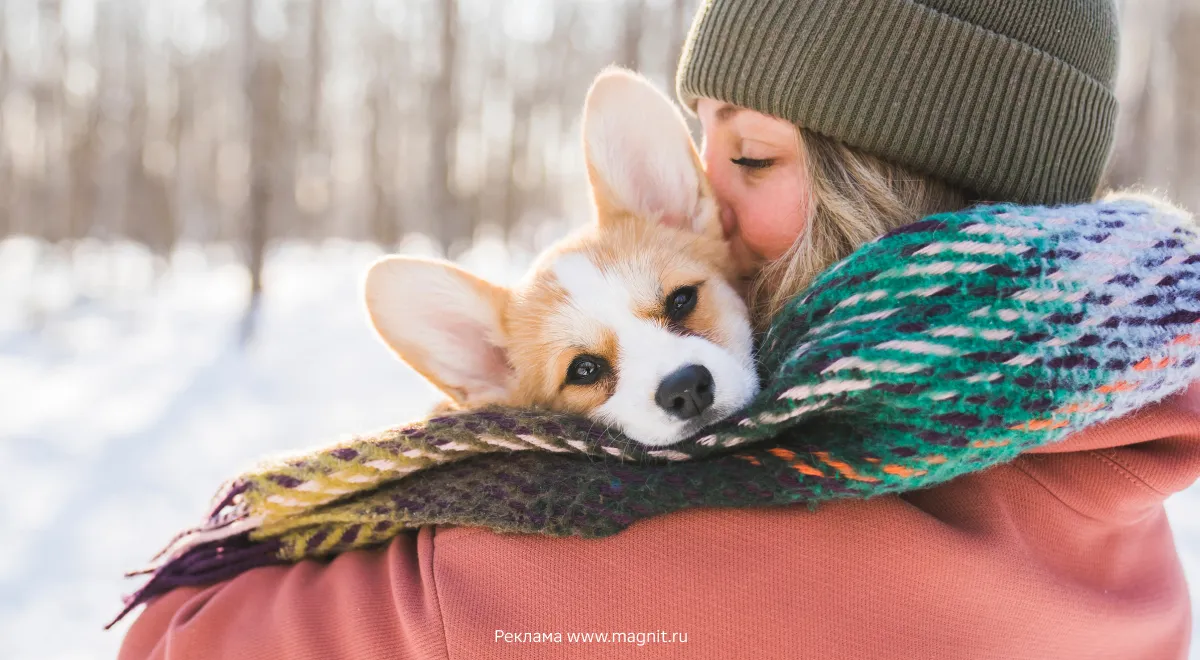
(1064, 553)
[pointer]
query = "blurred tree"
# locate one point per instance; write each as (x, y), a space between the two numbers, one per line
(82, 139)
(1158, 132)
(385, 229)
(6, 219)
(631, 34)
(148, 214)
(316, 74)
(679, 26)
(443, 125)
(6, 224)
(263, 80)
(1185, 35)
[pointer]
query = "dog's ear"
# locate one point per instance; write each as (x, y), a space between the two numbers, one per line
(445, 323)
(640, 157)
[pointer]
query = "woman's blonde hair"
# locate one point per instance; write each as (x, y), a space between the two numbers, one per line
(854, 197)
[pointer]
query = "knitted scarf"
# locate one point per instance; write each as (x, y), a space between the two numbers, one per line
(944, 347)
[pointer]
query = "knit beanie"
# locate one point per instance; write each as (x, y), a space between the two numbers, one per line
(1009, 99)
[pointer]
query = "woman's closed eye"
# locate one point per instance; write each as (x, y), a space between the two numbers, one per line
(753, 163)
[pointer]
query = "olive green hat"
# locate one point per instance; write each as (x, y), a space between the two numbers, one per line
(1010, 99)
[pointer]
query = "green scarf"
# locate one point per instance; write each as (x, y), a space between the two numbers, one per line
(944, 347)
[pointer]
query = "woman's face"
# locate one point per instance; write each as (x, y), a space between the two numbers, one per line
(756, 170)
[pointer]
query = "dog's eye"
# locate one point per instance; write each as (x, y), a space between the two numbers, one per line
(585, 370)
(681, 302)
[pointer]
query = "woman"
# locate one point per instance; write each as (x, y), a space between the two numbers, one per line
(826, 124)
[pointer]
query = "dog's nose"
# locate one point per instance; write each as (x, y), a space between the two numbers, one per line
(687, 392)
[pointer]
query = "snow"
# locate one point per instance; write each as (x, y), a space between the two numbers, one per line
(125, 399)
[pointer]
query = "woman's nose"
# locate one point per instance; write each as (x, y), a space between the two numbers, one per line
(717, 183)
(728, 219)
(727, 214)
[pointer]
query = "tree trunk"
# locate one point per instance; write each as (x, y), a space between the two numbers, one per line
(1185, 36)
(443, 122)
(6, 184)
(380, 174)
(316, 74)
(518, 149)
(262, 96)
(679, 28)
(629, 54)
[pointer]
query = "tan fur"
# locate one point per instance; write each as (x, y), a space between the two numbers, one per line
(536, 348)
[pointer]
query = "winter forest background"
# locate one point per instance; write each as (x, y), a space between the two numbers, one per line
(190, 189)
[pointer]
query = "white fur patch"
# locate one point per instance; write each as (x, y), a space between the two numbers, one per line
(648, 352)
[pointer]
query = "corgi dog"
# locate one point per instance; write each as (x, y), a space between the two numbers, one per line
(635, 322)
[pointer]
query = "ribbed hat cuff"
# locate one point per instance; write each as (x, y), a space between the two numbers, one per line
(912, 86)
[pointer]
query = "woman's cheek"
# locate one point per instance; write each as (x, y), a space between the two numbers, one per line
(772, 219)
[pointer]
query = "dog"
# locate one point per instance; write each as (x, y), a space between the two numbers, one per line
(635, 322)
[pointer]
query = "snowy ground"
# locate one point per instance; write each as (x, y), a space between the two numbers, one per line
(124, 404)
